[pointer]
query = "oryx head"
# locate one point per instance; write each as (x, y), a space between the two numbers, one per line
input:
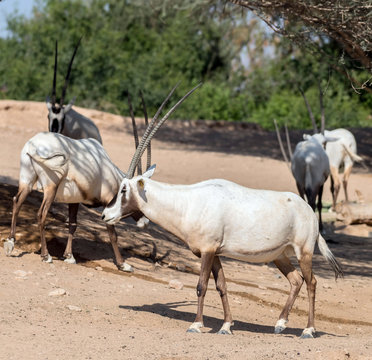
(125, 201)
(57, 112)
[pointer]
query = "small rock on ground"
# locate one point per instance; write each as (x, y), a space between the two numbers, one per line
(176, 284)
(57, 292)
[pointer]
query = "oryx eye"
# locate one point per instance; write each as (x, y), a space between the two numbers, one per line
(123, 190)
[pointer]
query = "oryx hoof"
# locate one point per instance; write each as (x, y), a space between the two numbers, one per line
(195, 328)
(225, 329)
(69, 259)
(143, 222)
(47, 259)
(308, 333)
(9, 246)
(280, 325)
(125, 267)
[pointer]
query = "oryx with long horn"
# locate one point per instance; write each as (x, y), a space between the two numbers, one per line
(309, 162)
(62, 118)
(220, 218)
(75, 171)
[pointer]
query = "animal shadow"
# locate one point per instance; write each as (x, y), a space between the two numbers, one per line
(174, 311)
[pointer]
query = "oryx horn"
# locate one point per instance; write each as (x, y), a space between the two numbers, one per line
(151, 129)
(55, 75)
(135, 132)
(68, 73)
(148, 160)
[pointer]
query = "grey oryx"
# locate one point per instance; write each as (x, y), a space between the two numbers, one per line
(309, 162)
(74, 171)
(220, 218)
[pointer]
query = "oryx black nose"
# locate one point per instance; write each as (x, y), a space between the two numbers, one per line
(103, 217)
(55, 126)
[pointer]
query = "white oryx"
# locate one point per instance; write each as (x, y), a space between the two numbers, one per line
(66, 121)
(220, 218)
(74, 171)
(62, 118)
(341, 153)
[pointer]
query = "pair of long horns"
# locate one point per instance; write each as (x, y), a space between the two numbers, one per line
(64, 89)
(152, 128)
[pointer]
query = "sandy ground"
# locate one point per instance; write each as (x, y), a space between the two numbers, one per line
(106, 314)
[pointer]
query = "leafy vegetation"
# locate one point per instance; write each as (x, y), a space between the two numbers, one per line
(128, 46)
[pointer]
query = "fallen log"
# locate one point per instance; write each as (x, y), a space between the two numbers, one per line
(354, 213)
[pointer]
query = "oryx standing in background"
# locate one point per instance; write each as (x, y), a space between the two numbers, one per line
(341, 153)
(66, 121)
(62, 118)
(309, 162)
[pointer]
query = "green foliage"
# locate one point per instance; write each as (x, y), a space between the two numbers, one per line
(128, 46)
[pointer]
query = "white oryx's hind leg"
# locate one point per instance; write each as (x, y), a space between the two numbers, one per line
(18, 200)
(219, 278)
(307, 273)
(72, 225)
(335, 186)
(295, 281)
(27, 180)
(348, 165)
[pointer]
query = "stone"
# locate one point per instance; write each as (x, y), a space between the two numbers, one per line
(74, 308)
(20, 273)
(176, 284)
(57, 292)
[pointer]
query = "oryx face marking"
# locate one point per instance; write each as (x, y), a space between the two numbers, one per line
(56, 117)
(122, 205)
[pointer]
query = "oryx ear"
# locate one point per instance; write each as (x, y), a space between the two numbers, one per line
(49, 104)
(141, 189)
(150, 171)
(69, 105)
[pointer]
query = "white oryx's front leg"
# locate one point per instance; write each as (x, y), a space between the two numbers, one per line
(201, 289)
(123, 266)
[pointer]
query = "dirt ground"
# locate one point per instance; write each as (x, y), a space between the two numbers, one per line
(101, 313)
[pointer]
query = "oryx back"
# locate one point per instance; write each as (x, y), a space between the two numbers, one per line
(82, 169)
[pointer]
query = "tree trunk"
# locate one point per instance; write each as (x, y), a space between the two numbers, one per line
(355, 213)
